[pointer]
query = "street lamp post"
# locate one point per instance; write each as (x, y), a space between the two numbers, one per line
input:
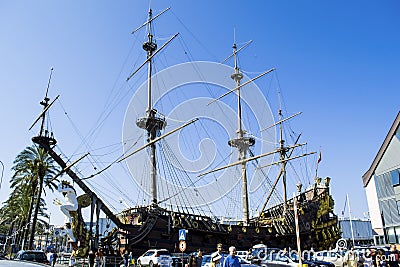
(2, 172)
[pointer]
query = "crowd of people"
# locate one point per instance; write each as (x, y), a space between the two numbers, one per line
(371, 257)
(218, 258)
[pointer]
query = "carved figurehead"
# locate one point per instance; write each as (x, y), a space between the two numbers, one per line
(68, 207)
(70, 200)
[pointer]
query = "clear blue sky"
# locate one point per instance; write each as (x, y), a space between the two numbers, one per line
(337, 61)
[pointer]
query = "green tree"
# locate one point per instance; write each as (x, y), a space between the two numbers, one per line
(35, 169)
(14, 214)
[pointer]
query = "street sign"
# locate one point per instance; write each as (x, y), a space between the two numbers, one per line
(182, 234)
(182, 245)
(57, 231)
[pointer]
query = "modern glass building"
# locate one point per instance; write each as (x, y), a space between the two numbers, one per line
(382, 187)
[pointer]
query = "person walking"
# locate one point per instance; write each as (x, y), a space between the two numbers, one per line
(393, 256)
(380, 259)
(50, 256)
(54, 260)
(131, 260)
(192, 261)
(99, 259)
(91, 257)
(126, 258)
(351, 258)
(217, 258)
(199, 258)
(368, 258)
(232, 260)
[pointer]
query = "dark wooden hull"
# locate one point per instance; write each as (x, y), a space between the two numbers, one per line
(160, 229)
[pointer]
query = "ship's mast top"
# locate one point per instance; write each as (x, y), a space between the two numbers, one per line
(44, 134)
(237, 77)
(150, 46)
(45, 103)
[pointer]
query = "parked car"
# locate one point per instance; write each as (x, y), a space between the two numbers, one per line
(155, 257)
(278, 259)
(260, 252)
(241, 253)
(32, 255)
(246, 263)
(336, 257)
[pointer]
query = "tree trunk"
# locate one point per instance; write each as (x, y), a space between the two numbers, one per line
(18, 235)
(35, 214)
(10, 232)
(29, 216)
(21, 236)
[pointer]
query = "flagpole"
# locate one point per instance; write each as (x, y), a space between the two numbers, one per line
(351, 223)
(296, 220)
(318, 161)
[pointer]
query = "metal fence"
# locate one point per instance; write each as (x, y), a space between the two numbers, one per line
(109, 261)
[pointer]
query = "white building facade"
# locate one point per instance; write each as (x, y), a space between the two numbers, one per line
(382, 187)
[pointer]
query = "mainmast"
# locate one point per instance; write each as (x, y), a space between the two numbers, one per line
(242, 143)
(151, 123)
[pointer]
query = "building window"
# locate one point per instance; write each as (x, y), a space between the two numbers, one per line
(391, 234)
(395, 177)
(398, 207)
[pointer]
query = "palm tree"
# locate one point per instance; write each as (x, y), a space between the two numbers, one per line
(34, 168)
(22, 199)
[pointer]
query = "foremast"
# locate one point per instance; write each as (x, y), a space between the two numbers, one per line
(242, 143)
(151, 122)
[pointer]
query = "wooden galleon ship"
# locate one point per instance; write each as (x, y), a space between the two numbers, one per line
(161, 209)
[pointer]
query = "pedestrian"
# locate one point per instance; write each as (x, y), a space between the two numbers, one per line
(91, 257)
(99, 258)
(368, 258)
(217, 258)
(199, 258)
(351, 258)
(393, 256)
(131, 259)
(54, 260)
(126, 258)
(380, 258)
(50, 256)
(72, 260)
(192, 261)
(232, 260)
